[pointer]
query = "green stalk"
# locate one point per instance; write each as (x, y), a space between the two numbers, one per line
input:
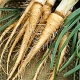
(10, 9)
(72, 71)
(75, 66)
(73, 43)
(68, 62)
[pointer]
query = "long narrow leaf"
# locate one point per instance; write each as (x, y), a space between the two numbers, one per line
(78, 48)
(75, 66)
(72, 33)
(73, 43)
(71, 16)
(68, 62)
(77, 27)
(10, 9)
(8, 23)
(72, 71)
(8, 16)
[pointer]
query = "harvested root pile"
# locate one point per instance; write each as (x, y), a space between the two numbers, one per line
(37, 18)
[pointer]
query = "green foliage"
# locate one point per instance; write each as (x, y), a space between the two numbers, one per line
(12, 16)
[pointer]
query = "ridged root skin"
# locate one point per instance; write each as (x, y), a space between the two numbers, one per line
(46, 12)
(32, 21)
(53, 23)
(15, 28)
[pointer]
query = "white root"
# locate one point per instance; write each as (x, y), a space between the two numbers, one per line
(62, 54)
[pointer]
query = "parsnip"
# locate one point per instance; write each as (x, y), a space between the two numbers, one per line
(53, 23)
(62, 54)
(32, 21)
(46, 12)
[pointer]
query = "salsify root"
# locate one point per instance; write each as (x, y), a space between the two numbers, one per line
(46, 12)
(53, 23)
(40, 66)
(16, 39)
(64, 50)
(32, 21)
(14, 30)
(15, 42)
(62, 54)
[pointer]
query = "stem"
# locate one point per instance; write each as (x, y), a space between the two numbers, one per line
(65, 6)
(52, 2)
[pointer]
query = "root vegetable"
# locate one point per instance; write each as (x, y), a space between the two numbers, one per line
(62, 54)
(63, 51)
(53, 23)
(14, 30)
(32, 21)
(46, 13)
(15, 42)
(47, 10)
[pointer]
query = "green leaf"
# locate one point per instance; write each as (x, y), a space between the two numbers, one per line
(10, 9)
(71, 16)
(8, 23)
(71, 58)
(72, 71)
(8, 16)
(69, 37)
(75, 66)
(68, 62)
(73, 43)
(78, 48)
